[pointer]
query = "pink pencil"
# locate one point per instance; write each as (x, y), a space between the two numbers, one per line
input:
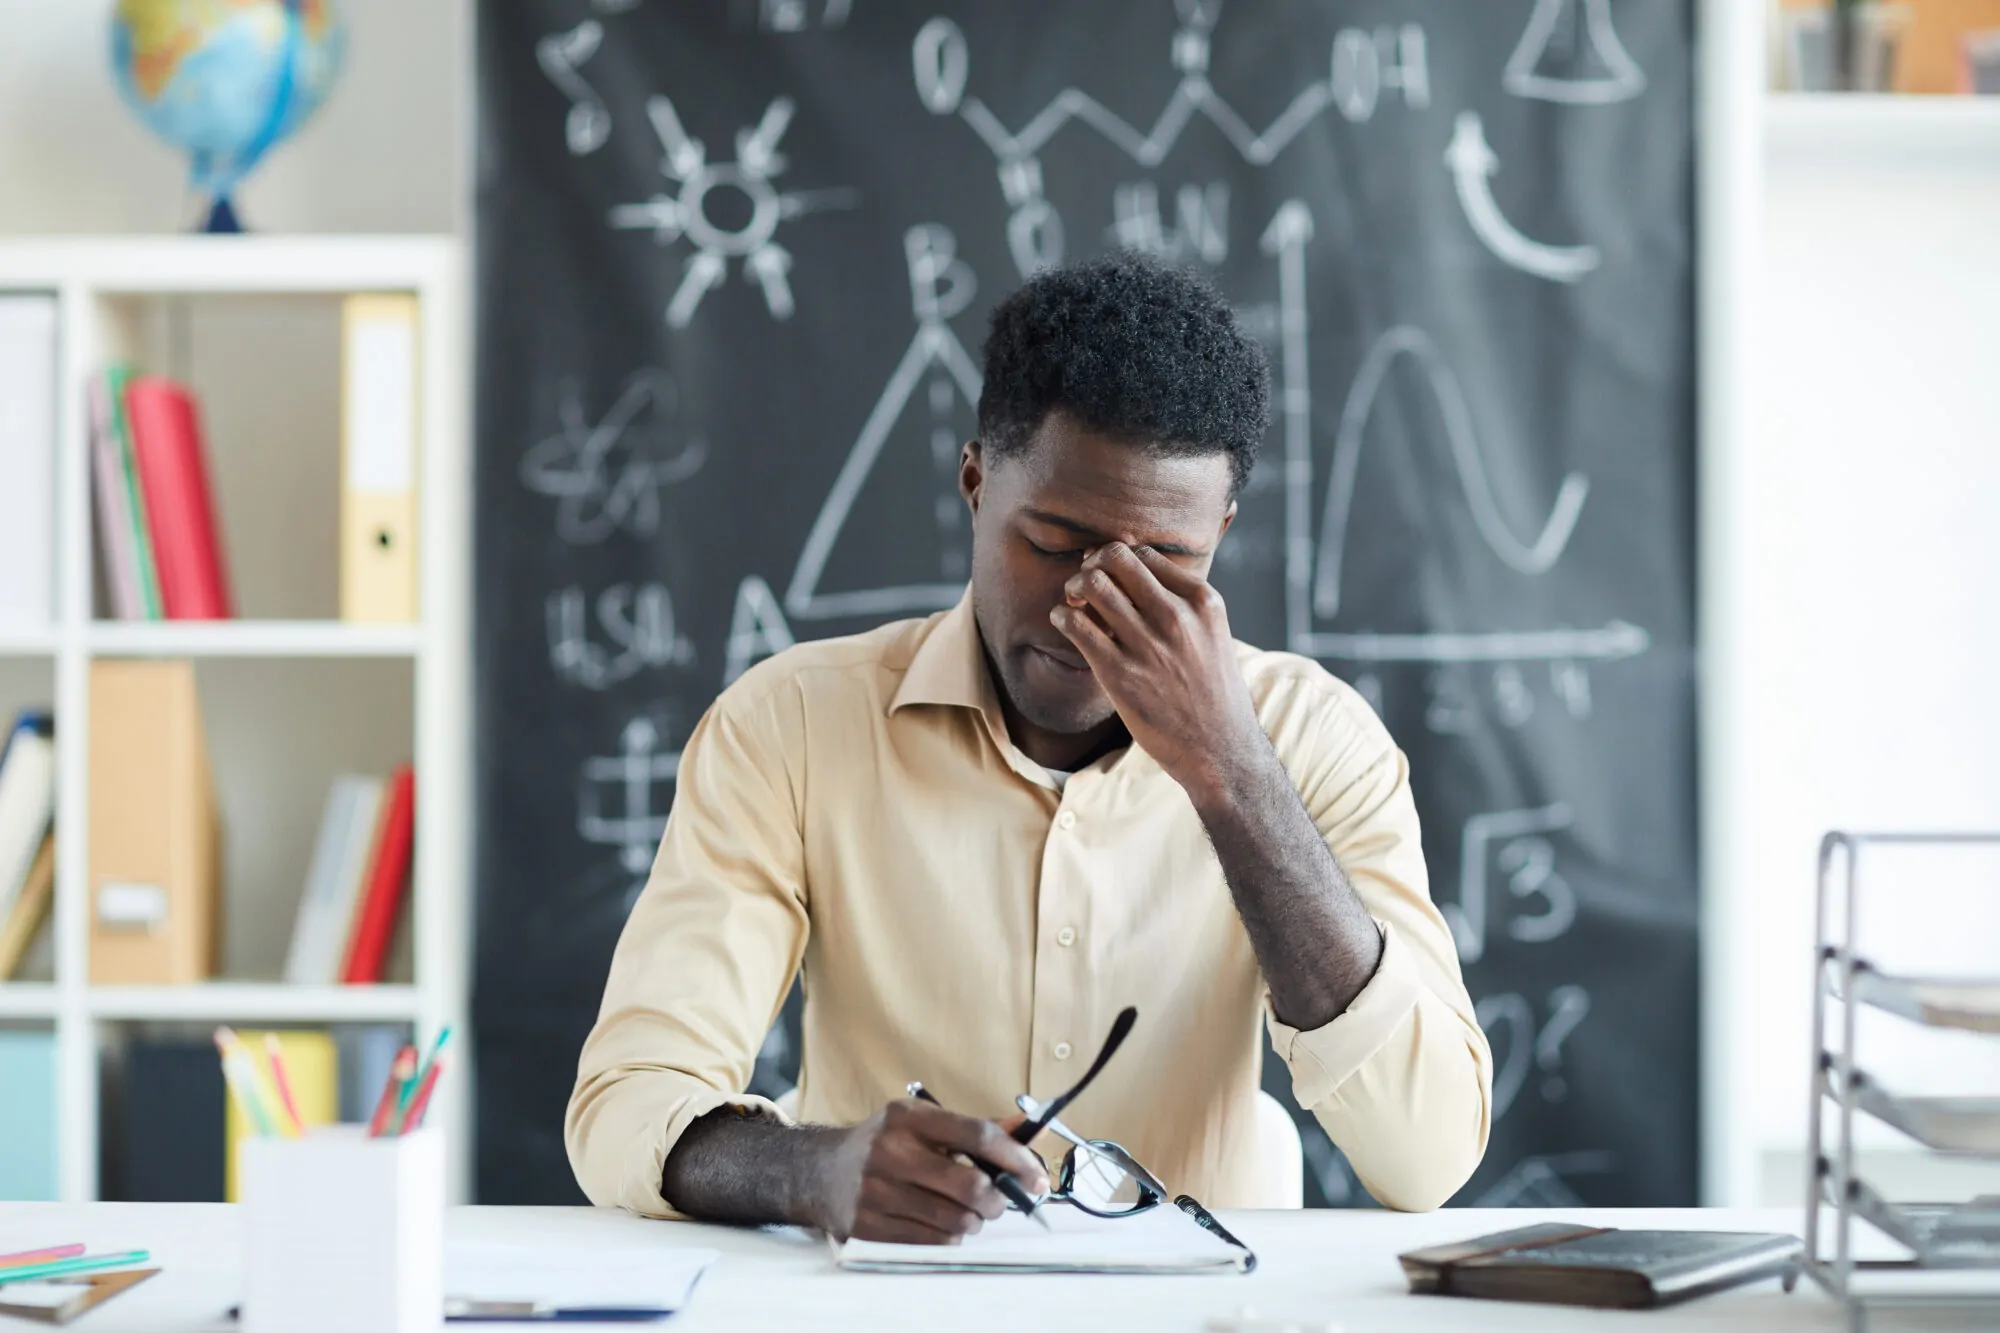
(49, 1255)
(274, 1052)
(413, 1118)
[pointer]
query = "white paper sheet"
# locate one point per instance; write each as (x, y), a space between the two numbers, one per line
(1159, 1240)
(652, 1277)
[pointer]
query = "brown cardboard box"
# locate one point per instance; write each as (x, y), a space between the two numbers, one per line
(155, 849)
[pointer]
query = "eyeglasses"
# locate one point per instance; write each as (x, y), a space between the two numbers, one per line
(1096, 1175)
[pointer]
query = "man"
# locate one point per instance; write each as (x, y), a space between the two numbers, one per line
(984, 833)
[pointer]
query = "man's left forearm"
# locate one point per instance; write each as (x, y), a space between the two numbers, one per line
(1313, 936)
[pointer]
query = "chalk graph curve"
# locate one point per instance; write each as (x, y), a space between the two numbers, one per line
(1532, 557)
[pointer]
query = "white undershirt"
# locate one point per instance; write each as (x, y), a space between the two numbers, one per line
(1057, 776)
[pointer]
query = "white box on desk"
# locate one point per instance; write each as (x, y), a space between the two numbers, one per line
(343, 1233)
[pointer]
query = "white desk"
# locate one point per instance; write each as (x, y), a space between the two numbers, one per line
(1338, 1265)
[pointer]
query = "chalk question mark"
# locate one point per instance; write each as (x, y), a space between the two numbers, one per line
(1568, 1006)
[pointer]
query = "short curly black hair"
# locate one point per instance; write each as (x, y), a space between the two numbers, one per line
(1132, 348)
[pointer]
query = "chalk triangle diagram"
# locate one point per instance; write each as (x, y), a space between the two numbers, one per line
(895, 500)
(1571, 53)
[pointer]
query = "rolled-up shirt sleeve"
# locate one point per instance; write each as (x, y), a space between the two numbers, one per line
(1402, 1079)
(705, 958)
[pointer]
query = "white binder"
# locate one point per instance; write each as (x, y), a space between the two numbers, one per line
(27, 460)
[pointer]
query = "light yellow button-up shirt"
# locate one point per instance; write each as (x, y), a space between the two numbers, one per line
(855, 806)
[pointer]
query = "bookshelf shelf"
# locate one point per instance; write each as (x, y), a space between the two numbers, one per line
(252, 638)
(21, 999)
(248, 1001)
(254, 327)
(33, 642)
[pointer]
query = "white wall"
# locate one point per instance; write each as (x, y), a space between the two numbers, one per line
(1859, 649)
(381, 155)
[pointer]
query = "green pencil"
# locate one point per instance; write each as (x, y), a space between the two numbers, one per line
(64, 1267)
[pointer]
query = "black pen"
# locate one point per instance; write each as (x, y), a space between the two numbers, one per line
(1003, 1180)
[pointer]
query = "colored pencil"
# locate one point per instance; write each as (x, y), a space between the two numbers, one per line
(413, 1119)
(64, 1267)
(239, 1071)
(274, 1051)
(48, 1255)
(421, 1081)
(399, 1073)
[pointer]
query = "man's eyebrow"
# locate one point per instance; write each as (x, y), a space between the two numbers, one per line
(1096, 538)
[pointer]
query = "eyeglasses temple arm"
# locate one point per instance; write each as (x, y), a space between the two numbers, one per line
(1120, 1028)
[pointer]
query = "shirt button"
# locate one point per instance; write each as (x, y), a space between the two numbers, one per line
(1066, 937)
(1062, 1050)
(1066, 820)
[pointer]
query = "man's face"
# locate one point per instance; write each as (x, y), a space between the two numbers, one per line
(1036, 514)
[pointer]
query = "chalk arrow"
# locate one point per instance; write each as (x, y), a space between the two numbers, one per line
(767, 265)
(1291, 226)
(757, 150)
(1472, 164)
(704, 271)
(684, 155)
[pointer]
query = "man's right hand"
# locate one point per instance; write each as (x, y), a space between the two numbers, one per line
(898, 1176)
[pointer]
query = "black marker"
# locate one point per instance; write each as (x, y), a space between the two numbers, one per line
(1004, 1181)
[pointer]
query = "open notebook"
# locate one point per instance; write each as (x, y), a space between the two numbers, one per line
(1159, 1240)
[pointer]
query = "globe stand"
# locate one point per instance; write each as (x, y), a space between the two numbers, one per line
(222, 219)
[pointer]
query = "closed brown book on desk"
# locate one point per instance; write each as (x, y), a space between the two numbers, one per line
(1559, 1264)
(154, 847)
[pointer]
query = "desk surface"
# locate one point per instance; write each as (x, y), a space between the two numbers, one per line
(1325, 1265)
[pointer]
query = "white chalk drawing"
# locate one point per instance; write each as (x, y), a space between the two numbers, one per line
(1453, 710)
(1527, 859)
(1313, 567)
(757, 629)
(1521, 1044)
(1513, 701)
(802, 15)
(1202, 223)
(614, 6)
(941, 285)
(1572, 35)
(685, 213)
(1472, 163)
(627, 817)
(608, 476)
(588, 124)
(1542, 1181)
(1572, 685)
(638, 621)
(1363, 65)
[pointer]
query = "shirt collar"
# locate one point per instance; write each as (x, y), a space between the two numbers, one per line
(949, 666)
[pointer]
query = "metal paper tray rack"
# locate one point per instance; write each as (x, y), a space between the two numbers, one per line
(1949, 1242)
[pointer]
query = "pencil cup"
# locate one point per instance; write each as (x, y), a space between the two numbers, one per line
(343, 1233)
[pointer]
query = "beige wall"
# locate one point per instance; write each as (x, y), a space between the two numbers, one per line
(383, 153)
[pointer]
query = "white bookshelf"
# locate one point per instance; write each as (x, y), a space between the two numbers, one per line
(113, 293)
(1875, 124)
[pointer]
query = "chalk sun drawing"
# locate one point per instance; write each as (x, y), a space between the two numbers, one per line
(685, 213)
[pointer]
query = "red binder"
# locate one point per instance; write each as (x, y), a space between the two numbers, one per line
(180, 509)
(388, 873)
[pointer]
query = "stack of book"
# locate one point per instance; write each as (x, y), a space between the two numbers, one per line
(156, 515)
(360, 870)
(27, 839)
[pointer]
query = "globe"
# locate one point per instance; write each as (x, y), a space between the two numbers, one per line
(225, 80)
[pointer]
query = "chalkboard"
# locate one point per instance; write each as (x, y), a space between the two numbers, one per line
(735, 258)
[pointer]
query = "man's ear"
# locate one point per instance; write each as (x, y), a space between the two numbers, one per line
(972, 474)
(1228, 517)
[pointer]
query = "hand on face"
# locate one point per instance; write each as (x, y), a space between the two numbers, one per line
(1157, 640)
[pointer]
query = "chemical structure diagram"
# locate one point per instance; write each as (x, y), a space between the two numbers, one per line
(689, 211)
(1364, 66)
